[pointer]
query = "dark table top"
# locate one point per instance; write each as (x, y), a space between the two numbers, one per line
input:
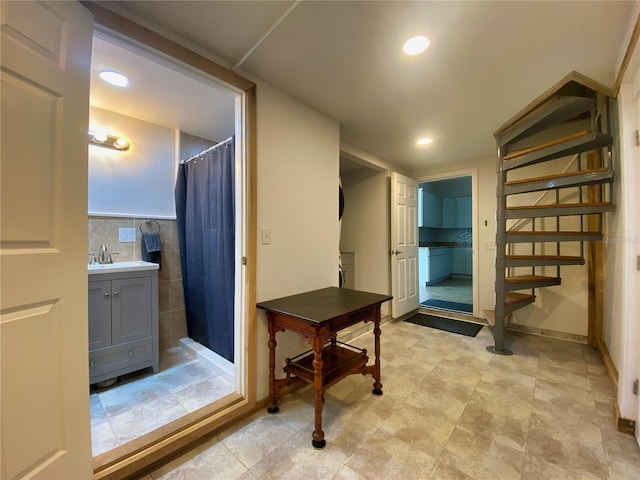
(320, 306)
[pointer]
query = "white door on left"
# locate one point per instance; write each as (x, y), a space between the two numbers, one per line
(46, 56)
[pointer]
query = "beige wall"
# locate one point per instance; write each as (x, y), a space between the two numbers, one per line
(365, 228)
(298, 155)
(172, 320)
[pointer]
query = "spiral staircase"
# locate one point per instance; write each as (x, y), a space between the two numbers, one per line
(554, 184)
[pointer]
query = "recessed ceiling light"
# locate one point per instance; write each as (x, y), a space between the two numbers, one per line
(424, 141)
(415, 45)
(114, 78)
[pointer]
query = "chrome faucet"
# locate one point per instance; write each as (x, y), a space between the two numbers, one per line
(103, 257)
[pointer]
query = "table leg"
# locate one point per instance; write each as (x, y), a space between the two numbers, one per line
(377, 386)
(273, 397)
(318, 435)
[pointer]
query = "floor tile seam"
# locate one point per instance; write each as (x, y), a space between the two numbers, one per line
(347, 458)
(115, 436)
(457, 424)
(222, 442)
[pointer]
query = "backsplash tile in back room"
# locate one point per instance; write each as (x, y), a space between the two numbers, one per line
(457, 235)
(462, 236)
(172, 318)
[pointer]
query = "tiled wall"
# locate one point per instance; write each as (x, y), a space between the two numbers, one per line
(454, 235)
(172, 318)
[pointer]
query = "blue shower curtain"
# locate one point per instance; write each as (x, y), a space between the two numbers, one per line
(205, 210)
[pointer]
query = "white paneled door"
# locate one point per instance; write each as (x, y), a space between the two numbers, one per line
(404, 245)
(45, 56)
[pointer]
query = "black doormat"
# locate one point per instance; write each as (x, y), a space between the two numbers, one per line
(447, 324)
(460, 307)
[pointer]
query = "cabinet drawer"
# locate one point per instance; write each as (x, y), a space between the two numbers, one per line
(119, 358)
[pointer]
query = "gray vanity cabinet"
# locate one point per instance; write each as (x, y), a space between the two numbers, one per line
(123, 323)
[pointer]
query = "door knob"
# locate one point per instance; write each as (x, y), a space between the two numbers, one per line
(396, 252)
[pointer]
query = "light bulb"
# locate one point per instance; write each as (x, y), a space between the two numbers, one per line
(114, 78)
(415, 45)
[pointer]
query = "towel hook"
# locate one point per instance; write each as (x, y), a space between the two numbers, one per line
(149, 223)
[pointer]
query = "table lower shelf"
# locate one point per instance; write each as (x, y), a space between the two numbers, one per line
(339, 360)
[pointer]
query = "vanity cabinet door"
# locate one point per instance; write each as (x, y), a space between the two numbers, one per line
(131, 309)
(99, 314)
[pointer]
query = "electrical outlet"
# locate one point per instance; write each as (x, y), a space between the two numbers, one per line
(127, 235)
(266, 236)
(489, 245)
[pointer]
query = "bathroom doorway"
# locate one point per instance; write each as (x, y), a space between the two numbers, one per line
(166, 103)
(446, 243)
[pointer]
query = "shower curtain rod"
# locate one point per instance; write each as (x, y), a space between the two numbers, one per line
(220, 144)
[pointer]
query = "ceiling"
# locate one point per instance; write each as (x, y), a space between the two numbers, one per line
(159, 92)
(487, 61)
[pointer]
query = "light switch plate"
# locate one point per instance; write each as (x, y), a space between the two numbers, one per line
(266, 236)
(127, 235)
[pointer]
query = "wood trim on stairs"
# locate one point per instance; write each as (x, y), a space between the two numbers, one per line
(555, 176)
(542, 146)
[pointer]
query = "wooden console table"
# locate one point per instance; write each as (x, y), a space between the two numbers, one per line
(318, 316)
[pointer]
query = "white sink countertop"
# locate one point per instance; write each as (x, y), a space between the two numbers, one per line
(119, 267)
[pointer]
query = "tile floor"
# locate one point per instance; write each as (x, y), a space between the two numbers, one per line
(143, 401)
(450, 410)
(458, 290)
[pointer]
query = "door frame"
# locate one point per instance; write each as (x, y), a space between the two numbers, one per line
(473, 173)
(153, 448)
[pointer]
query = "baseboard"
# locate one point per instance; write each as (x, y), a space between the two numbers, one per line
(624, 425)
(360, 329)
(543, 332)
(609, 366)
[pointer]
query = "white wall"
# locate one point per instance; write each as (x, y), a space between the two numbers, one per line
(365, 228)
(137, 182)
(297, 169)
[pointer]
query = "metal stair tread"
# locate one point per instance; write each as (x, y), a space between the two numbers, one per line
(542, 146)
(542, 260)
(574, 178)
(557, 210)
(552, 232)
(576, 173)
(561, 205)
(529, 278)
(552, 236)
(569, 146)
(511, 298)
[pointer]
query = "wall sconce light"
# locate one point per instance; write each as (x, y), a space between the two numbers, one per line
(103, 139)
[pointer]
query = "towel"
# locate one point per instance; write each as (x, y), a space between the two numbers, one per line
(151, 247)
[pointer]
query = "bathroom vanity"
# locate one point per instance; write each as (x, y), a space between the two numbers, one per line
(123, 319)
